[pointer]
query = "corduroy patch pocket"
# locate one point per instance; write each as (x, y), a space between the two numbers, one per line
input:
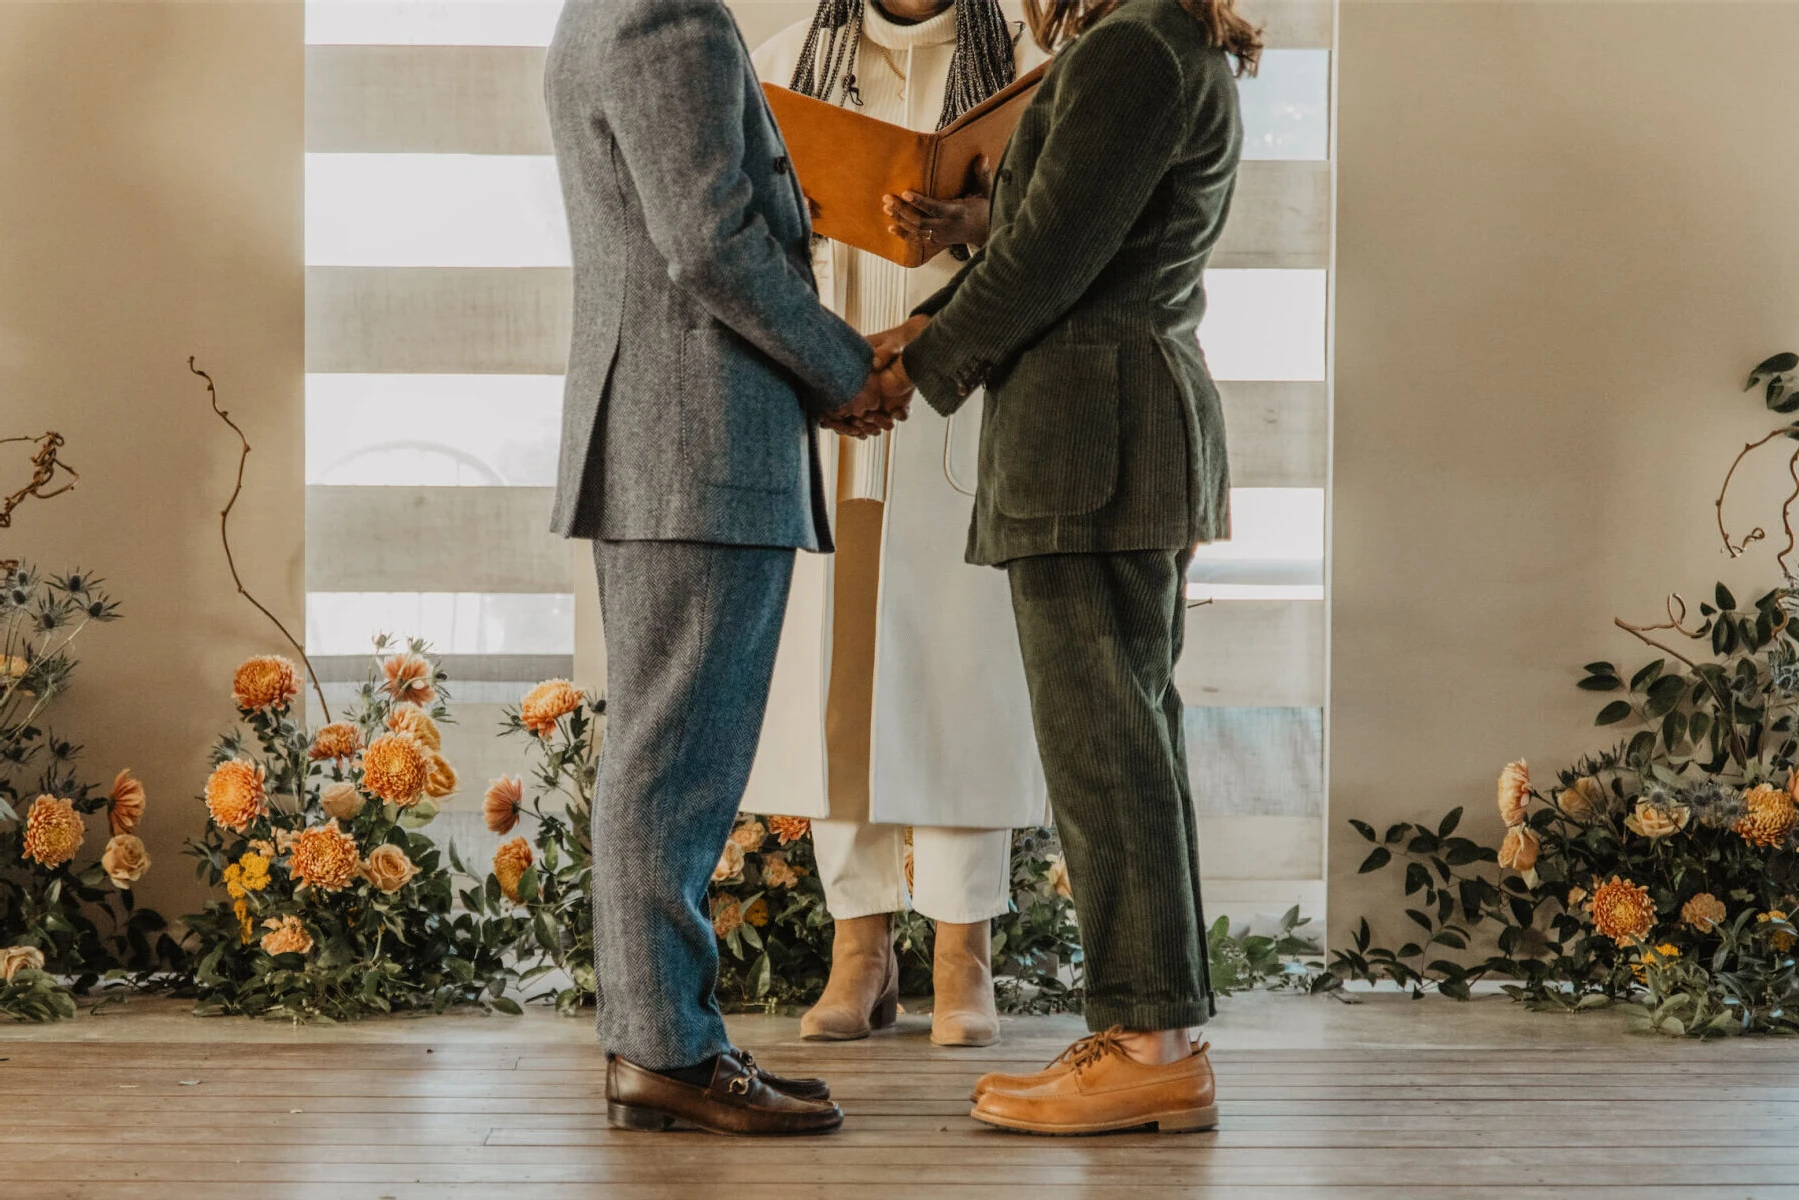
(1054, 428)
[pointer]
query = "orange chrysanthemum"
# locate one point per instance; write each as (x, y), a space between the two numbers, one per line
(510, 862)
(1703, 912)
(53, 831)
(235, 795)
(410, 718)
(1622, 911)
(396, 767)
(339, 740)
(265, 681)
(501, 806)
(125, 806)
(1770, 818)
(1782, 939)
(440, 777)
(789, 829)
(409, 678)
(325, 858)
(546, 704)
(286, 936)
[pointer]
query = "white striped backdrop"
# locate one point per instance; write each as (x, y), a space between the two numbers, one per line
(437, 324)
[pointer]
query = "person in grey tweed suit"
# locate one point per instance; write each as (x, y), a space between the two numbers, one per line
(700, 367)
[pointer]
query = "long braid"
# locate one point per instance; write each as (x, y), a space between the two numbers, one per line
(983, 62)
(839, 22)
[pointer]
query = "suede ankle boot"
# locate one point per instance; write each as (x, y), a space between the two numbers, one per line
(862, 994)
(963, 1013)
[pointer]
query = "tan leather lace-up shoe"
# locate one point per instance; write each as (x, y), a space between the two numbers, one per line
(862, 994)
(998, 1080)
(1105, 1090)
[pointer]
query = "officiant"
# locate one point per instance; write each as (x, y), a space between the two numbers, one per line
(899, 699)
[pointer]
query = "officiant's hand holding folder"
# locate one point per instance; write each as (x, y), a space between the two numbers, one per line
(846, 162)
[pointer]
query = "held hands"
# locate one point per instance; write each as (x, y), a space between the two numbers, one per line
(887, 396)
(943, 223)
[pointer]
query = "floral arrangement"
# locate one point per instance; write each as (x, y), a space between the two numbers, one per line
(1661, 875)
(53, 895)
(335, 903)
(538, 893)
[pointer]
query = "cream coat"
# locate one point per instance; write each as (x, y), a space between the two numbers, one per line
(951, 740)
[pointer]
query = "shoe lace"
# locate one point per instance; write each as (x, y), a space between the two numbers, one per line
(1093, 1047)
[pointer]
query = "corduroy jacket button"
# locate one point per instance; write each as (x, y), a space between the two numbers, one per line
(783, 165)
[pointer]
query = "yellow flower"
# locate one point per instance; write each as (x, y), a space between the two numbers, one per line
(1770, 818)
(1622, 911)
(235, 794)
(253, 871)
(1519, 850)
(125, 860)
(440, 777)
(125, 806)
(388, 868)
(14, 959)
(1653, 821)
(410, 718)
(546, 704)
(778, 872)
(1782, 939)
(53, 831)
(1703, 912)
(325, 858)
(1057, 876)
(13, 669)
(286, 936)
(730, 864)
(501, 806)
(757, 913)
(265, 681)
(1514, 792)
(789, 829)
(341, 799)
(394, 767)
(1585, 799)
(246, 928)
(749, 835)
(510, 862)
(339, 740)
(727, 915)
(1667, 950)
(409, 678)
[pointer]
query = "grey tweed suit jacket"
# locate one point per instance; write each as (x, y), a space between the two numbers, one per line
(701, 356)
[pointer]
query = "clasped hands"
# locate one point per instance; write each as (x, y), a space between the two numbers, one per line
(887, 396)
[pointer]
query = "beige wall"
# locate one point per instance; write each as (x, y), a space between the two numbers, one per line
(150, 208)
(1566, 231)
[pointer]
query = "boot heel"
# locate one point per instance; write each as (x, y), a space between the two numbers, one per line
(1194, 1120)
(885, 1014)
(644, 1120)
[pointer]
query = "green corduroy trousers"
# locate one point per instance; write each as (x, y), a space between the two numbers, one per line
(1100, 635)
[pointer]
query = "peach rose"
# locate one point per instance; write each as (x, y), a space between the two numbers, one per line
(125, 806)
(14, 959)
(125, 860)
(388, 868)
(286, 936)
(1653, 821)
(341, 799)
(1519, 850)
(730, 863)
(1514, 792)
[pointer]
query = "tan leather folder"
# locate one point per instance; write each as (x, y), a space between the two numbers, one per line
(846, 162)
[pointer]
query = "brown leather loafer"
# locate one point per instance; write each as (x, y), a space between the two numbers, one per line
(999, 1081)
(1104, 1090)
(805, 1088)
(739, 1100)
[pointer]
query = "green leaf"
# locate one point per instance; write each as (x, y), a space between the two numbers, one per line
(1726, 601)
(1647, 675)
(1450, 821)
(1379, 857)
(507, 1005)
(1611, 714)
(1363, 828)
(1416, 876)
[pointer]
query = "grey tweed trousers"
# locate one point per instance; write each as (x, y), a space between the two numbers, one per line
(691, 630)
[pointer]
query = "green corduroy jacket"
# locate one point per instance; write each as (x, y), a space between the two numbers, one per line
(1102, 428)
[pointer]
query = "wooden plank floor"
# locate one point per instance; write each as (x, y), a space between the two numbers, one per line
(1385, 1098)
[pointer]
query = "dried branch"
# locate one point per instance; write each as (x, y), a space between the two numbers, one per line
(44, 467)
(1676, 620)
(1735, 549)
(212, 394)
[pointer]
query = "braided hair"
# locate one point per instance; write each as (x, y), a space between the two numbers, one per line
(982, 64)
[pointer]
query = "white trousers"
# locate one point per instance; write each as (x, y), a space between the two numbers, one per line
(958, 875)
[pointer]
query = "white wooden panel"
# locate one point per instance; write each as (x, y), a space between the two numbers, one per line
(438, 320)
(426, 100)
(437, 539)
(1281, 217)
(1266, 762)
(1277, 432)
(1260, 848)
(1294, 24)
(1254, 654)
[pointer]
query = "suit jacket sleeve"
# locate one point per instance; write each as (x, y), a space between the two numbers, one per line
(677, 110)
(1116, 119)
